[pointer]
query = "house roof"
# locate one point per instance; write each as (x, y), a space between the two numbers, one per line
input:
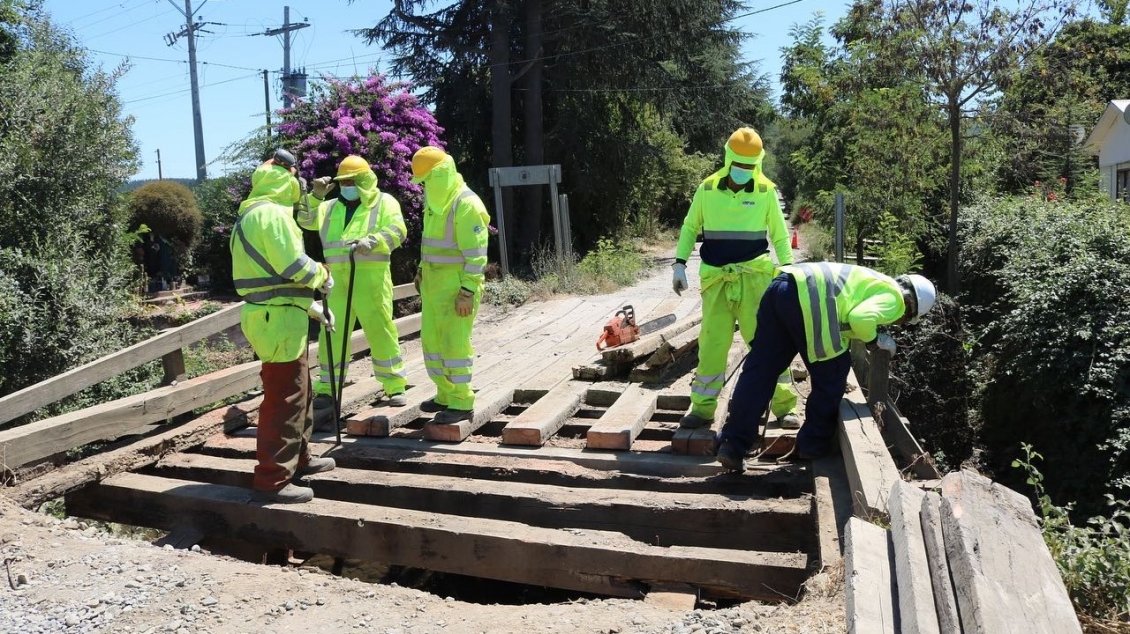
(1113, 116)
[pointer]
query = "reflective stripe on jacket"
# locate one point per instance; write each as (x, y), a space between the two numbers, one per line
(840, 302)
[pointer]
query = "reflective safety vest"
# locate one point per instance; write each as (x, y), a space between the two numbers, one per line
(458, 238)
(840, 302)
(737, 226)
(336, 237)
(269, 265)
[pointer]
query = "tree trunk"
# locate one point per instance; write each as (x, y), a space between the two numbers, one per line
(533, 210)
(953, 279)
(502, 153)
(859, 251)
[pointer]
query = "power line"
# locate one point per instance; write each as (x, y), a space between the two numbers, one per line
(638, 39)
(115, 15)
(128, 26)
(174, 61)
(184, 90)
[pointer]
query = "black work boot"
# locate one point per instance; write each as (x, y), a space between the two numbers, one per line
(694, 421)
(316, 465)
(289, 494)
(730, 456)
(450, 415)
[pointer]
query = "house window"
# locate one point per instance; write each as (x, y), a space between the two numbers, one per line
(1122, 185)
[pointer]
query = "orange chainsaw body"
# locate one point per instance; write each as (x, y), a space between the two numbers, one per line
(619, 330)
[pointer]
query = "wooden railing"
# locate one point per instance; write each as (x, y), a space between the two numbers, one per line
(41, 439)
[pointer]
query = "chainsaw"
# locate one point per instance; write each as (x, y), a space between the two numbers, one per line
(622, 328)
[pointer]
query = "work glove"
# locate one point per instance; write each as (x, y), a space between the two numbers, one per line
(302, 184)
(679, 279)
(323, 186)
(416, 280)
(365, 245)
(464, 303)
(322, 315)
(328, 285)
(883, 342)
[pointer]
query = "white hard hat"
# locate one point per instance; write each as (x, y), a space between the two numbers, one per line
(924, 292)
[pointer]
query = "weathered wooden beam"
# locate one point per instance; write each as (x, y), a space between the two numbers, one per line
(142, 453)
(944, 600)
(872, 605)
(35, 441)
(380, 420)
(487, 405)
(623, 421)
(659, 518)
(63, 385)
(824, 517)
(578, 559)
(870, 469)
(1004, 577)
(534, 426)
(912, 568)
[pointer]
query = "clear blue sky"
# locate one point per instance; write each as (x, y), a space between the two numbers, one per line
(155, 91)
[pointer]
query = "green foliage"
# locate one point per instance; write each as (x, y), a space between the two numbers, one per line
(509, 291)
(1047, 300)
(65, 276)
(219, 200)
(1093, 558)
(818, 245)
(897, 250)
(169, 209)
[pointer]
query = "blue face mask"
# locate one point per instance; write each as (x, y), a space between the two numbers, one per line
(740, 175)
(350, 193)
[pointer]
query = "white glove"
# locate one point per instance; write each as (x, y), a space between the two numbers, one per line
(365, 245)
(884, 342)
(679, 279)
(321, 315)
(323, 186)
(328, 285)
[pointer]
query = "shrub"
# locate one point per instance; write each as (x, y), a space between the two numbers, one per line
(1094, 558)
(509, 291)
(816, 243)
(1048, 284)
(219, 200)
(169, 209)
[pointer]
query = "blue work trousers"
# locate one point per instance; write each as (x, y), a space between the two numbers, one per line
(780, 337)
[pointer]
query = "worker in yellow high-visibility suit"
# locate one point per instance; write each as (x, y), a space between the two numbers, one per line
(369, 222)
(453, 254)
(276, 279)
(737, 212)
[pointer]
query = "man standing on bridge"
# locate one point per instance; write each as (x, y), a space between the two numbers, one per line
(815, 309)
(737, 212)
(453, 253)
(277, 280)
(365, 223)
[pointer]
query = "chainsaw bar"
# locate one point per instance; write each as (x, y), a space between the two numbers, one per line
(657, 324)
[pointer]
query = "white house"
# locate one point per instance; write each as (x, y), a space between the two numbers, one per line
(1110, 141)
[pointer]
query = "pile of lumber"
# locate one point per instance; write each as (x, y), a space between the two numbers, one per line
(971, 560)
(647, 359)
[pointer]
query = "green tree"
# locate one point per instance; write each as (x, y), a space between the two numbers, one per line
(591, 88)
(169, 209)
(65, 149)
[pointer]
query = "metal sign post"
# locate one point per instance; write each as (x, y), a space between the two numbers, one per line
(500, 177)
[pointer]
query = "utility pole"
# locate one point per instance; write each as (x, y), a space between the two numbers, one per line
(294, 84)
(160, 176)
(267, 101)
(189, 31)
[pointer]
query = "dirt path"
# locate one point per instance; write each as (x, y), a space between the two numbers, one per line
(73, 578)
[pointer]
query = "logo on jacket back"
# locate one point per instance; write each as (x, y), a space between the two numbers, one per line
(747, 203)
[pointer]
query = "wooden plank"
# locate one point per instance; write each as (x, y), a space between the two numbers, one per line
(648, 344)
(1004, 577)
(945, 603)
(543, 465)
(870, 469)
(404, 291)
(871, 604)
(627, 417)
(824, 516)
(578, 559)
(488, 404)
(35, 441)
(912, 569)
(677, 346)
(133, 456)
(60, 386)
(379, 421)
(660, 518)
(173, 366)
(535, 425)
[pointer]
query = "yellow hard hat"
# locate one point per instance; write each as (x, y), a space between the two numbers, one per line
(746, 143)
(352, 166)
(424, 160)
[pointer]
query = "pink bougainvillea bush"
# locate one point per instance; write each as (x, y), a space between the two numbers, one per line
(370, 116)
